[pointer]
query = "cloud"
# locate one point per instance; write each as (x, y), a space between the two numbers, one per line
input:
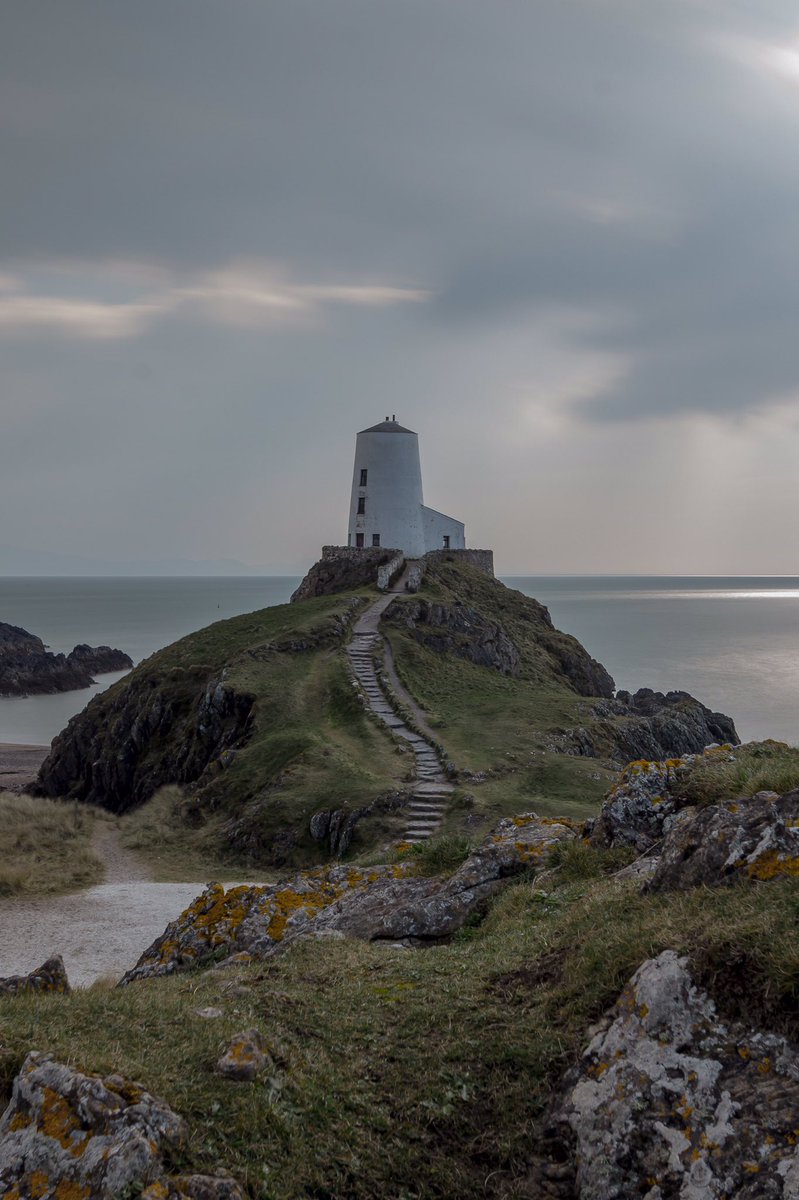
(238, 295)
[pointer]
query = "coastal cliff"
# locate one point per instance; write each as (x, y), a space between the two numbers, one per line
(28, 668)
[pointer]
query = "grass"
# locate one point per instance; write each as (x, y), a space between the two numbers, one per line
(760, 767)
(45, 846)
(165, 834)
(416, 1074)
(498, 724)
(310, 744)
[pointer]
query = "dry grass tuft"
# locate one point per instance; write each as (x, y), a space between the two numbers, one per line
(45, 846)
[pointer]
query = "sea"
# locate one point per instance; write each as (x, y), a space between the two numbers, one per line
(733, 642)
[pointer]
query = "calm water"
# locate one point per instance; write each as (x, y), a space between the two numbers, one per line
(733, 642)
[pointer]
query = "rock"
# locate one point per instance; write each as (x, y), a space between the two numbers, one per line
(245, 1057)
(641, 807)
(386, 902)
(27, 667)
(70, 1136)
(460, 630)
(166, 723)
(668, 1100)
(208, 1014)
(755, 839)
(649, 726)
(100, 660)
(343, 569)
(51, 976)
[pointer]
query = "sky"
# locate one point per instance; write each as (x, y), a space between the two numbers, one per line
(558, 238)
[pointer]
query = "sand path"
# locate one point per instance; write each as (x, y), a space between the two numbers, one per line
(99, 932)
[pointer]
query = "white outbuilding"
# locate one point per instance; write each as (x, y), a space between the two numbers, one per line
(387, 507)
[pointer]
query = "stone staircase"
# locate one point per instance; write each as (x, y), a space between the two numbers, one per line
(429, 798)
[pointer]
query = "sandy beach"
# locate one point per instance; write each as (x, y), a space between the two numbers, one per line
(19, 765)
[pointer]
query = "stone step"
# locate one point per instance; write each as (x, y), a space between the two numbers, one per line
(426, 810)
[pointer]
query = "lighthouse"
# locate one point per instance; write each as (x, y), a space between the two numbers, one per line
(387, 507)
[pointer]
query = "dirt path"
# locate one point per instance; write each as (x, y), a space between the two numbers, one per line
(121, 865)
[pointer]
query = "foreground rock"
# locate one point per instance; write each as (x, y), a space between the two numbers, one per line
(245, 1057)
(668, 1100)
(27, 667)
(752, 839)
(374, 903)
(51, 976)
(69, 1136)
(642, 806)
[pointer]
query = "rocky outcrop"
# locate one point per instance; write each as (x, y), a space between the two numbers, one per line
(51, 976)
(121, 749)
(27, 667)
(755, 838)
(343, 569)
(641, 807)
(463, 630)
(652, 725)
(371, 903)
(668, 1100)
(70, 1136)
(658, 809)
(458, 629)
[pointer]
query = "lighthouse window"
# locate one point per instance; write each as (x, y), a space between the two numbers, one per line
(375, 539)
(361, 504)
(446, 541)
(363, 476)
(359, 541)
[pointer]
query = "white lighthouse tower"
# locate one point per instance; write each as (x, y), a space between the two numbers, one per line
(387, 507)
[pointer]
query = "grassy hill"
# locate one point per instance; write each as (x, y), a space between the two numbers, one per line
(257, 721)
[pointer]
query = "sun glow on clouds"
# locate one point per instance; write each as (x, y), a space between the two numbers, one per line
(764, 57)
(78, 302)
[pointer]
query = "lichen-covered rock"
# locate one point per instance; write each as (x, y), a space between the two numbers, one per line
(69, 1136)
(641, 807)
(669, 1101)
(372, 903)
(739, 840)
(51, 976)
(245, 1057)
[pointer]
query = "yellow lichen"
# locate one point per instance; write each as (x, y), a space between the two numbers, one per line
(67, 1190)
(60, 1122)
(772, 865)
(38, 1185)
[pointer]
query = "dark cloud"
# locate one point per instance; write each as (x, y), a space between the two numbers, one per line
(575, 183)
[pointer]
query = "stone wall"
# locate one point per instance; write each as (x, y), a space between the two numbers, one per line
(389, 571)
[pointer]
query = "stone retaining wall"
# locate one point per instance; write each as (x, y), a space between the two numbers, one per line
(389, 572)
